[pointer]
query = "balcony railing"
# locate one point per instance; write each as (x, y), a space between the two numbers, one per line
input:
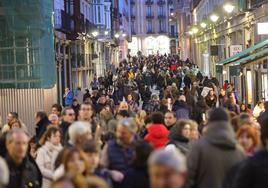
(173, 35)
(161, 31)
(149, 16)
(149, 2)
(150, 32)
(161, 16)
(161, 2)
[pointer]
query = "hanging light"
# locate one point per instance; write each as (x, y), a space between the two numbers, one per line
(106, 32)
(214, 17)
(229, 8)
(117, 35)
(95, 33)
(124, 35)
(191, 32)
(203, 25)
(195, 30)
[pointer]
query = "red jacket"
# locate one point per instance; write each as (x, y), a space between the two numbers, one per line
(157, 135)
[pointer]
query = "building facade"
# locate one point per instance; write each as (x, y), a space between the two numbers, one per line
(152, 28)
(234, 35)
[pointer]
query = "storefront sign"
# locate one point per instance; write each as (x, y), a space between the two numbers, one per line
(234, 49)
(262, 28)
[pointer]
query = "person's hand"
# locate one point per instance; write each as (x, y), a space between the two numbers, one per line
(116, 175)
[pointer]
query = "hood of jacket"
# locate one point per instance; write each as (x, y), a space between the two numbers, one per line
(221, 134)
(158, 131)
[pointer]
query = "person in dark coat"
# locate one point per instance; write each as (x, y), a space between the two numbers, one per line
(211, 157)
(180, 136)
(68, 117)
(200, 110)
(41, 123)
(181, 108)
(86, 95)
(263, 115)
(253, 172)
(24, 172)
(211, 99)
(76, 106)
(137, 176)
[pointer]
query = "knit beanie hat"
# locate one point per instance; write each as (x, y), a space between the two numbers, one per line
(218, 114)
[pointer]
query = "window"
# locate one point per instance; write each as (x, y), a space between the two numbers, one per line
(99, 14)
(149, 10)
(162, 26)
(132, 26)
(161, 10)
(149, 26)
(132, 10)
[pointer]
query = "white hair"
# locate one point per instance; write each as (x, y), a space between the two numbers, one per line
(77, 129)
(170, 157)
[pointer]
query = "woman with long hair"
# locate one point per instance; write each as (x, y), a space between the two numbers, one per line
(47, 154)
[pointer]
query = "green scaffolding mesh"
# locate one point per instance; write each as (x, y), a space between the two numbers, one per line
(26, 44)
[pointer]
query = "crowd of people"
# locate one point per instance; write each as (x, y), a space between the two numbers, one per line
(156, 122)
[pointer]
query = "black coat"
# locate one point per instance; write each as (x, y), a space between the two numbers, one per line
(253, 172)
(41, 127)
(136, 177)
(26, 174)
(263, 116)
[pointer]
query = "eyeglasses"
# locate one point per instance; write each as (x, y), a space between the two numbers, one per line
(71, 114)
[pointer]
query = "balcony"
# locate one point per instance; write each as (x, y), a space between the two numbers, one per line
(63, 21)
(149, 16)
(149, 2)
(173, 35)
(133, 16)
(161, 2)
(150, 32)
(132, 2)
(162, 31)
(133, 32)
(161, 16)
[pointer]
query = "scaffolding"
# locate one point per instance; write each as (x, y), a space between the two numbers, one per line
(27, 59)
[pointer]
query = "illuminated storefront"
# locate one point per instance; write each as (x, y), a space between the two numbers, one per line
(150, 45)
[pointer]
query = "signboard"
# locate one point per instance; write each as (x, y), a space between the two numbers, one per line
(262, 28)
(235, 49)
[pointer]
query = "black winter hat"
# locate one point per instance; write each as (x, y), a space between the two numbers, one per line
(218, 114)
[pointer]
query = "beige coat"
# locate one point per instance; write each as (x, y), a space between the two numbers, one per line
(45, 160)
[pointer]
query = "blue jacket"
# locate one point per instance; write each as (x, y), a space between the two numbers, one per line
(119, 157)
(68, 100)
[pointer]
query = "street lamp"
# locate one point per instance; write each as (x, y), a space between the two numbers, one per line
(214, 17)
(171, 14)
(195, 30)
(203, 24)
(124, 35)
(95, 33)
(106, 33)
(229, 8)
(191, 32)
(117, 35)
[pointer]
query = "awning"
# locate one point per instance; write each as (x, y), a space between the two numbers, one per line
(252, 57)
(245, 53)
